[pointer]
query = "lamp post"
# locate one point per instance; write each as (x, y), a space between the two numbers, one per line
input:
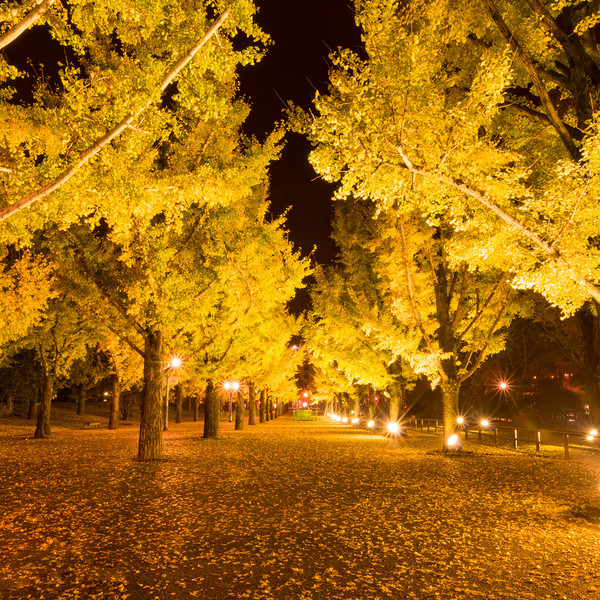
(231, 386)
(174, 363)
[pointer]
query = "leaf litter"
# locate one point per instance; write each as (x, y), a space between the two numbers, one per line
(290, 510)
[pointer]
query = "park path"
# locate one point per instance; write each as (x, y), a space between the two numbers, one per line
(288, 510)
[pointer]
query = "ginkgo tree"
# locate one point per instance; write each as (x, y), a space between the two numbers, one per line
(410, 304)
(483, 110)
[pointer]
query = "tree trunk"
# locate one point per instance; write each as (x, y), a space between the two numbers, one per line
(197, 407)
(151, 419)
(251, 405)
(261, 408)
(82, 399)
(178, 402)
(590, 331)
(450, 389)
(270, 406)
(113, 420)
(212, 413)
(394, 407)
(43, 420)
(10, 399)
(239, 412)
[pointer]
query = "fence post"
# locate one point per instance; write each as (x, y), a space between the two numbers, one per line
(421, 425)
(566, 441)
(516, 443)
(495, 436)
(538, 442)
(436, 426)
(427, 425)
(466, 432)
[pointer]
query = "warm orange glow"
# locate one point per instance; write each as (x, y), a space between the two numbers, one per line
(484, 423)
(393, 427)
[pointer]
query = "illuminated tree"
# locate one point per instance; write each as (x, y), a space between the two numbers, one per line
(483, 112)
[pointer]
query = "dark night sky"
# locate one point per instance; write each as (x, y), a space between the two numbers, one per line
(303, 33)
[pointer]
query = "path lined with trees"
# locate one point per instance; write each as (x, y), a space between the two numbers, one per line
(290, 510)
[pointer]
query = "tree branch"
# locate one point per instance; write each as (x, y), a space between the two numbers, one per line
(546, 248)
(12, 34)
(413, 305)
(113, 133)
(540, 116)
(529, 66)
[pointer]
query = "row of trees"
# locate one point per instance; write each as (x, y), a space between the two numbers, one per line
(465, 144)
(135, 218)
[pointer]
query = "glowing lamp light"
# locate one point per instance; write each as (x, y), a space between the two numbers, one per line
(590, 438)
(484, 423)
(371, 424)
(235, 385)
(176, 362)
(304, 404)
(452, 440)
(594, 432)
(345, 420)
(354, 421)
(393, 427)
(503, 385)
(227, 385)
(460, 420)
(305, 394)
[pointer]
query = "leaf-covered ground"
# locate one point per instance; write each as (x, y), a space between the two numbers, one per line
(291, 510)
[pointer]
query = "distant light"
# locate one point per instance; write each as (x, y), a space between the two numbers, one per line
(227, 385)
(305, 394)
(106, 393)
(344, 419)
(484, 423)
(452, 440)
(338, 418)
(460, 420)
(590, 438)
(594, 432)
(235, 385)
(355, 420)
(304, 404)
(274, 405)
(393, 427)
(176, 362)
(371, 424)
(503, 385)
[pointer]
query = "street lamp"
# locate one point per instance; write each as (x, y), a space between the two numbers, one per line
(173, 364)
(231, 386)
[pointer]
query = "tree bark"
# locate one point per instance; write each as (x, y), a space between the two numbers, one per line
(450, 389)
(82, 399)
(261, 408)
(178, 402)
(113, 420)
(251, 404)
(197, 407)
(212, 413)
(151, 419)
(239, 412)
(43, 420)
